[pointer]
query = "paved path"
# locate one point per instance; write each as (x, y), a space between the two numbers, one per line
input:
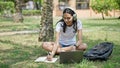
(18, 32)
(22, 32)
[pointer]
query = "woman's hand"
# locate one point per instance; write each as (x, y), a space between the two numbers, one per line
(49, 57)
(78, 43)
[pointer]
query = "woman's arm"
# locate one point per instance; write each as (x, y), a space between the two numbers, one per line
(54, 50)
(56, 45)
(79, 37)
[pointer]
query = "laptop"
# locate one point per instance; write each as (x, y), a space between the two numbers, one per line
(71, 57)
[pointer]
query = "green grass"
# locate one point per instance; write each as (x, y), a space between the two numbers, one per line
(20, 51)
(28, 24)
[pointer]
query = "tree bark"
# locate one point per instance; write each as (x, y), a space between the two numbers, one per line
(103, 16)
(18, 15)
(46, 24)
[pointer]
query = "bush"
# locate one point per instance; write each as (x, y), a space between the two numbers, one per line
(31, 12)
(6, 6)
(6, 9)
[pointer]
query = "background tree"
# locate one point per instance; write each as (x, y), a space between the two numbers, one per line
(46, 24)
(118, 6)
(38, 4)
(102, 6)
(18, 14)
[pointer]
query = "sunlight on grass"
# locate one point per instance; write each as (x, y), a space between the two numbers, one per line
(94, 24)
(27, 40)
(109, 65)
(24, 49)
(5, 46)
(26, 64)
(102, 35)
(85, 64)
(20, 51)
(28, 24)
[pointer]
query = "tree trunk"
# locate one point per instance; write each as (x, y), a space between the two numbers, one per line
(18, 15)
(46, 24)
(103, 15)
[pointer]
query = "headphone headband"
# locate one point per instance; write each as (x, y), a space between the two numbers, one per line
(74, 15)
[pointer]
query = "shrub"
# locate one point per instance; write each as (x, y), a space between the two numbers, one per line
(6, 6)
(31, 12)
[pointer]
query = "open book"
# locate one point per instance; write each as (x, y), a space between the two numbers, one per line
(44, 59)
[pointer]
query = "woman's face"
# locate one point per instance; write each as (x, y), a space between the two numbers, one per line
(68, 18)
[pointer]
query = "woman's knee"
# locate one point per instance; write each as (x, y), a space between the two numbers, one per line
(85, 46)
(47, 45)
(44, 45)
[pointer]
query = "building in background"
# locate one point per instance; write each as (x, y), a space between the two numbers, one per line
(30, 5)
(81, 7)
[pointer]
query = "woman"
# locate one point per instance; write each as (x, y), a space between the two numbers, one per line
(66, 30)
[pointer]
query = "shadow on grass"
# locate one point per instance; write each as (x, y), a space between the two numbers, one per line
(19, 53)
(6, 19)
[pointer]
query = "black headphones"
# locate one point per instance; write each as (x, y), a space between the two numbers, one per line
(74, 15)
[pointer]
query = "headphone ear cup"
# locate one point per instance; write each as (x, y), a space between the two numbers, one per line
(75, 16)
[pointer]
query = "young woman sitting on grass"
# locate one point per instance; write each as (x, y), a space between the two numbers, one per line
(66, 30)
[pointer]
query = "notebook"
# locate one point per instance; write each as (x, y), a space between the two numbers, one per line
(44, 59)
(71, 57)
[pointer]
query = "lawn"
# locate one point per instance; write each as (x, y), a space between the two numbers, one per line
(20, 51)
(6, 24)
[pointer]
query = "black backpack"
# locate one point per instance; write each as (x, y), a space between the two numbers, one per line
(101, 51)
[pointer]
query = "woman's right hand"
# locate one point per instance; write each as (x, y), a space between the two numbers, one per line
(49, 57)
